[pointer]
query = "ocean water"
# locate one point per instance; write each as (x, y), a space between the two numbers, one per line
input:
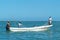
(52, 33)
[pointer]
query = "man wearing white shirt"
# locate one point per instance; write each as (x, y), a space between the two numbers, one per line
(50, 20)
(19, 24)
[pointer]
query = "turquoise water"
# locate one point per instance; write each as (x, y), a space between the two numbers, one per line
(52, 33)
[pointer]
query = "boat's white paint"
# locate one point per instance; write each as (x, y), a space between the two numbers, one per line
(36, 28)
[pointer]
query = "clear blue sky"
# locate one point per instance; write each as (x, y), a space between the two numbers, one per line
(29, 10)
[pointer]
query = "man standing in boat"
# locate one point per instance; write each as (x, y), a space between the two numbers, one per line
(8, 26)
(50, 20)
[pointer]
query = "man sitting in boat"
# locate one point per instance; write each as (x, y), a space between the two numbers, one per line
(8, 26)
(19, 24)
(50, 20)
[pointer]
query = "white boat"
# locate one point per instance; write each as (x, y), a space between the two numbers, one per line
(36, 28)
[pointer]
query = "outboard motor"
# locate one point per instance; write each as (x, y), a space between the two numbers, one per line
(8, 26)
(50, 21)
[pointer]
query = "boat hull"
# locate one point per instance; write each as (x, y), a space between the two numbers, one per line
(36, 28)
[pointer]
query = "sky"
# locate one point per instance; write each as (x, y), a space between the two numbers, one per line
(29, 10)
